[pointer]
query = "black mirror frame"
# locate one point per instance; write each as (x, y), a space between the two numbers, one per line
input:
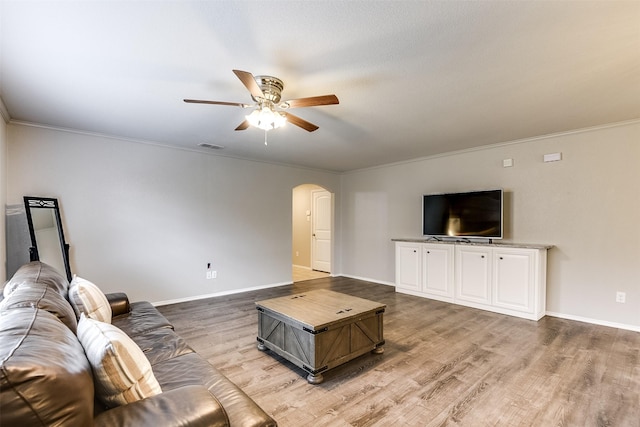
(47, 203)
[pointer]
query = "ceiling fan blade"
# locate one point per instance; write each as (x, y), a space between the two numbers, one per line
(250, 83)
(199, 101)
(300, 122)
(312, 101)
(243, 125)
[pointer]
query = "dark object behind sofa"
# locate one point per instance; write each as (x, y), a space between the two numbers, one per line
(45, 378)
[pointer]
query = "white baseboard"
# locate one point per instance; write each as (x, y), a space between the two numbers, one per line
(624, 326)
(253, 288)
(367, 279)
(594, 321)
(219, 294)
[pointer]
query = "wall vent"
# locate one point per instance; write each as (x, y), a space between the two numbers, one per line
(210, 146)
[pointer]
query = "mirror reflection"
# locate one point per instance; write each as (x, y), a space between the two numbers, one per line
(47, 237)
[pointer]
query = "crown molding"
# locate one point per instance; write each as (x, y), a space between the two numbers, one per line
(4, 112)
(166, 146)
(499, 144)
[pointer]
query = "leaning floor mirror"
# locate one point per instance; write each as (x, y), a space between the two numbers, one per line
(47, 238)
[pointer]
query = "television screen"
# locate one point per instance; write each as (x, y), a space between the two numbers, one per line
(476, 214)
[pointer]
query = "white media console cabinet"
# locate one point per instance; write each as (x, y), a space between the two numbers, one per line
(500, 277)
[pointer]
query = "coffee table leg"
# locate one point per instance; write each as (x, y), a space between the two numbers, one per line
(378, 350)
(315, 379)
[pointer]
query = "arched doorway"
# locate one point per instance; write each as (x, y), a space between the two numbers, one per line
(312, 232)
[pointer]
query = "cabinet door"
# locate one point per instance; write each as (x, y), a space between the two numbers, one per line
(437, 270)
(408, 274)
(473, 275)
(513, 279)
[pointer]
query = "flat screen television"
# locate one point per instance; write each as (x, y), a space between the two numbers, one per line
(469, 215)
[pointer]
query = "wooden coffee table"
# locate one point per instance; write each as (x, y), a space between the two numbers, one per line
(319, 330)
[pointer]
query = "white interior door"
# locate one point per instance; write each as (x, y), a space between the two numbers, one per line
(321, 230)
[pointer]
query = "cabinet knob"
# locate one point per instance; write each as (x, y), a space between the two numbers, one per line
(501, 258)
(428, 252)
(414, 251)
(481, 256)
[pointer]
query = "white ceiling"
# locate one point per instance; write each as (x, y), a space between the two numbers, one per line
(414, 78)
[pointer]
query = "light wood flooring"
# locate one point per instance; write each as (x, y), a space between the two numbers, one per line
(301, 274)
(443, 365)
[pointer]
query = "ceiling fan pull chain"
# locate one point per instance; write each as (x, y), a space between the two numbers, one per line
(265, 137)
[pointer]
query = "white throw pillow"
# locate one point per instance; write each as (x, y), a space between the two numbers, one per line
(121, 371)
(87, 298)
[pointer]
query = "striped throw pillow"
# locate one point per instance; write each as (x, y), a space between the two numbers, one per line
(87, 298)
(121, 372)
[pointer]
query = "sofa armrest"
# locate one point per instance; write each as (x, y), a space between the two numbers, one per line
(184, 406)
(119, 303)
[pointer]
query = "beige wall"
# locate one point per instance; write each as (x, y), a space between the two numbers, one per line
(146, 219)
(587, 205)
(301, 223)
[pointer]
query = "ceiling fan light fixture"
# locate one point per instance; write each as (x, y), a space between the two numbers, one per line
(266, 118)
(266, 91)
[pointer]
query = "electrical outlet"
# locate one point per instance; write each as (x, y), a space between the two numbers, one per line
(621, 297)
(209, 274)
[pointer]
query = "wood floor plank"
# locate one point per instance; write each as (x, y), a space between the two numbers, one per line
(443, 365)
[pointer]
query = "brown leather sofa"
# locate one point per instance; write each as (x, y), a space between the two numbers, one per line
(46, 379)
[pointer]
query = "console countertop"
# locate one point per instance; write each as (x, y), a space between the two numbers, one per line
(498, 244)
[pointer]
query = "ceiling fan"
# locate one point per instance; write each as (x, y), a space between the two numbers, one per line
(270, 112)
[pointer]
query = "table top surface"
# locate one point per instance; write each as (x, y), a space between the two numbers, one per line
(320, 307)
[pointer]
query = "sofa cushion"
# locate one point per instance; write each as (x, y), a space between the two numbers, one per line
(121, 372)
(36, 295)
(38, 272)
(9, 287)
(142, 318)
(87, 298)
(45, 378)
(161, 344)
